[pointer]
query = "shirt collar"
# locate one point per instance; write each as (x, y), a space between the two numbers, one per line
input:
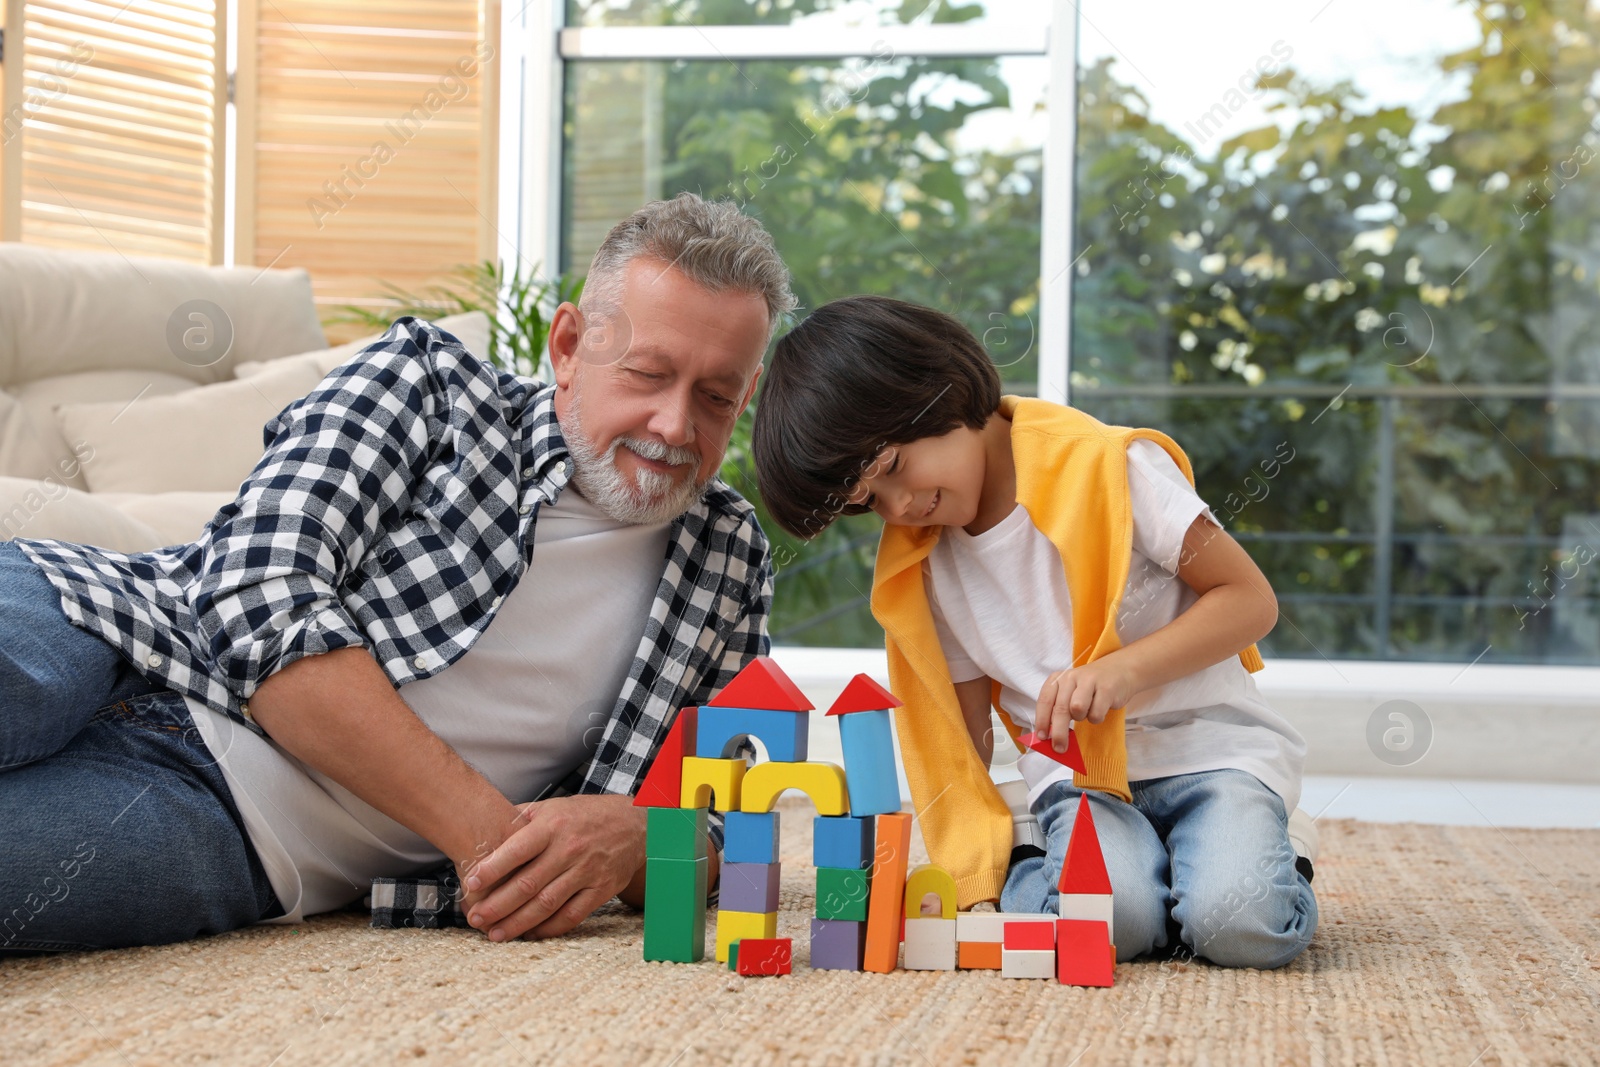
(546, 451)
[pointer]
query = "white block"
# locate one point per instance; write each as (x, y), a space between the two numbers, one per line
(1027, 963)
(991, 925)
(930, 945)
(1095, 907)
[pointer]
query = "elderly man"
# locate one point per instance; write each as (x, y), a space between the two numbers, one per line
(448, 619)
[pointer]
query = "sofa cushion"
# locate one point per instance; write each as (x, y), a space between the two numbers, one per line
(176, 518)
(471, 328)
(65, 312)
(41, 509)
(31, 443)
(206, 438)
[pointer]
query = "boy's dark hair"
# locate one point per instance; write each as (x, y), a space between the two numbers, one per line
(858, 375)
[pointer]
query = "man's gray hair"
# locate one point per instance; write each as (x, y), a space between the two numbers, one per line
(718, 246)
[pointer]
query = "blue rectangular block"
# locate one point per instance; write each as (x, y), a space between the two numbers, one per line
(843, 840)
(869, 764)
(749, 837)
(784, 734)
(749, 887)
(837, 944)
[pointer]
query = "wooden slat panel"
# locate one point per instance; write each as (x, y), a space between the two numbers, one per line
(363, 156)
(124, 146)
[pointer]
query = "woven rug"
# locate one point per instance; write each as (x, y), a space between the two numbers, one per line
(1437, 945)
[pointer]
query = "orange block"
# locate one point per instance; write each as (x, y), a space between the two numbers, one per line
(978, 955)
(885, 901)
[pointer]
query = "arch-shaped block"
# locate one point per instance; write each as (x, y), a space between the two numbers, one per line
(705, 780)
(784, 734)
(930, 878)
(822, 782)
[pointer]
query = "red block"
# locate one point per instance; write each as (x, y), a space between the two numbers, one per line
(864, 694)
(1072, 757)
(1085, 868)
(1034, 935)
(1083, 953)
(663, 785)
(762, 684)
(765, 955)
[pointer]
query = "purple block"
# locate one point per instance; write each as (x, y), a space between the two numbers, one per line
(837, 944)
(750, 887)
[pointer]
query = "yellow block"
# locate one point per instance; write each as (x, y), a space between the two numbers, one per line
(704, 778)
(930, 878)
(822, 782)
(733, 925)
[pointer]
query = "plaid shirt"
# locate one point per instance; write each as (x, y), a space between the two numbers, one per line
(394, 510)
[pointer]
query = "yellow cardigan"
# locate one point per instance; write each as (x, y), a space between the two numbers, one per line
(1072, 480)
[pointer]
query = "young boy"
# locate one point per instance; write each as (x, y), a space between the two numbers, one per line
(1064, 571)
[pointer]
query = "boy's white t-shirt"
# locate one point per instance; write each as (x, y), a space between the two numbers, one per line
(525, 705)
(1001, 608)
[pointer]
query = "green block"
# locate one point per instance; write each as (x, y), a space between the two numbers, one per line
(733, 957)
(676, 834)
(842, 893)
(675, 910)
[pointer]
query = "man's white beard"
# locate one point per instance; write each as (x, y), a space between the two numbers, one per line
(652, 497)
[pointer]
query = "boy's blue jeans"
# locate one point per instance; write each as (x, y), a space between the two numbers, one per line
(1209, 850)
(116, 826)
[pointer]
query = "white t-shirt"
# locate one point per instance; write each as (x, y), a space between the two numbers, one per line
(524, 706)
(1001, 609)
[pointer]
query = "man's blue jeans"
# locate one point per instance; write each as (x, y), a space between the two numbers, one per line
(116, 826)
(1209, 851)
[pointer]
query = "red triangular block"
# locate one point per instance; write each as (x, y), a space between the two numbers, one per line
(1084, 956)
(1072, 757)
(864, 694)
(1085, 868)
(663, 784)
(762, 685)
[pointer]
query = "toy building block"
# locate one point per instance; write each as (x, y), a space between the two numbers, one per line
(784, 734)
(1084, 869)
(837, 944)
(822, 782)
(869, 763)
(676, 833)
(1027, 963)
(762, 684)
(842, 841)
(764, 956)
(1095, 907)
(736, 925)
(750, 838)
(885, 908)
(1072, 757)
(1084, 956)
(1030, 936)
(733, 955)
(864, 694)
(842, 893)
(930, 945)
(675, 910)
(984, 925)
(750, 886)
(978, 955)
(931, 878)
(663, 783)
(712, 783)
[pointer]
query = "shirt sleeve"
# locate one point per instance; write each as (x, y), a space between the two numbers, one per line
(1164, 504)
(962, 668)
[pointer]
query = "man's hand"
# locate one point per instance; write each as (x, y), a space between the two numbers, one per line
(1079, 693)
(564, 858)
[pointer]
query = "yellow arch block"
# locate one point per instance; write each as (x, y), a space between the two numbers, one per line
(705, 778)
(822, 782)
(930, 878)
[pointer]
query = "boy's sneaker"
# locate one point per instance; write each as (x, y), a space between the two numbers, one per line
(1303, 836)
(1027, 836)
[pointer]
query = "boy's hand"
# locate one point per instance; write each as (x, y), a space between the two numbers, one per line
(1079, 693)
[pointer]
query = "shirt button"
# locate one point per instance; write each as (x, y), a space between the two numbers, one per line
(561, 467)
(524, 509)
(154, 660)
(527, 472)
(420, 662)
(497, 602)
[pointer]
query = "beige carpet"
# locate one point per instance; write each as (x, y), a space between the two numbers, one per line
(1438, 945)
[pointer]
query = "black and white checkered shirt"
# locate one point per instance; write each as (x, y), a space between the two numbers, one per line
(394, 510)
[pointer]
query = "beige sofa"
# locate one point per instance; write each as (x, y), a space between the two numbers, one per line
(133, 391)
